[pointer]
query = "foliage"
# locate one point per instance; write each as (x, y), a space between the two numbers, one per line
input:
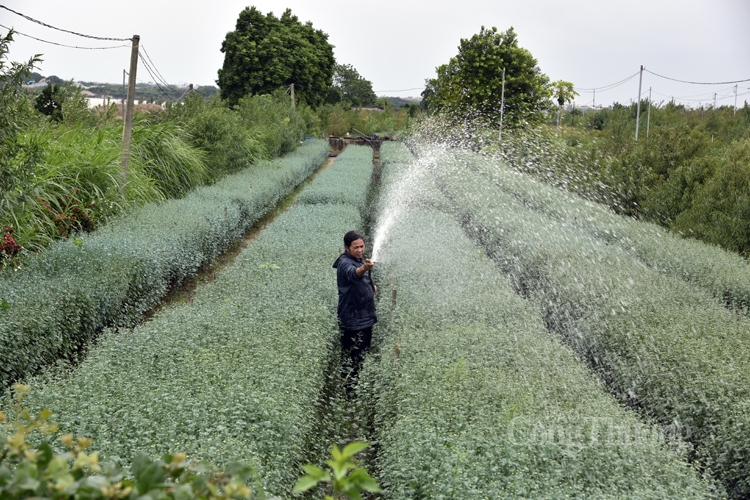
(233, 373)
(665, 177)
(167, 158)
(350, 87)
(469, 86)
(62, 298)
(17, 155)
(272, 119)
(342, 482)
(264, 53)
(663, 345)
(562, 92)
(38, 472)
(474, 398)
(220, 132)
(50, 102)
(339, 120)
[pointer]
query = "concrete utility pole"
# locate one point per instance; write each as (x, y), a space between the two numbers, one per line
(714, 100)
(648, 120)
(502, 105)
(292, 90)
(638, 113)
(127, 130)
(123, 94)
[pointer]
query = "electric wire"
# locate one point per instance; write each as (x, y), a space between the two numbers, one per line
(156, 80)
(401, 90)
(61, 44)
(695, 83)
(162, 79)
(66, 31)
(610, 86)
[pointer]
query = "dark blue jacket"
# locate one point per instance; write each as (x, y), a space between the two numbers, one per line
(356, 294)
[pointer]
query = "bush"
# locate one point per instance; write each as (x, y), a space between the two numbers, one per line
(220, 132)
(54, 306)
(662, 345)
(473, 397)
(233, 375)
(278, 126)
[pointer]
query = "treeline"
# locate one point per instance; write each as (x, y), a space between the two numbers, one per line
(689, 170)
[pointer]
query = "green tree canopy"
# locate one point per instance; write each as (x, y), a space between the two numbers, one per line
(264, 53)
(350, 87)
(562, 92)
(471, 83)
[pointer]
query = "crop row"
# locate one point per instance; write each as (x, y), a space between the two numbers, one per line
(726, 275)
(233, 375)
(53, 307)
(473, 397)
(662, 344)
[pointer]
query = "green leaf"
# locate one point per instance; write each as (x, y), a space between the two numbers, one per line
(316, 472)
(305, 483)
(353, 448)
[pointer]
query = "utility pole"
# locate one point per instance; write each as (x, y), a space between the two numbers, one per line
(714, 100)
(292, 90)
(638, 113)
(594, 99)
(648, 120)
(123, 94)
(502, 106)
(127, 130)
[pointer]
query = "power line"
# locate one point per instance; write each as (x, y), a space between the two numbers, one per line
(61, 44)
(66, 31)
(696, 83)
(402, 90)
(163, 80)
(156, 79)
(611, 86)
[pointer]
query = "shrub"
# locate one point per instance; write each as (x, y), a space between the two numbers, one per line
(662, 345)
(55, 305)
(234, 374)
(473, 397)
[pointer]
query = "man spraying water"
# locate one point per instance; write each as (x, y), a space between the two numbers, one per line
(356, 310)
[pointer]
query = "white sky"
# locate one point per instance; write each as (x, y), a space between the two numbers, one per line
(398, 44)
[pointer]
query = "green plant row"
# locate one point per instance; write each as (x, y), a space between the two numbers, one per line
(232, 375)
(662, 345)
(341, 183)
(53, 307)
(475, 399)
(726, 275)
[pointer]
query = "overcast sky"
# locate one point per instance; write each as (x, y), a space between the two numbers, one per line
(398, 44)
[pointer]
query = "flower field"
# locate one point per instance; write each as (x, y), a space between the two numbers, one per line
(530, 344)
(234, 375)
(649, 325)
(53, 307)
(474, 397)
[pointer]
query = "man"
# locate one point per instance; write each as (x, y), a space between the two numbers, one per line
(356, 309)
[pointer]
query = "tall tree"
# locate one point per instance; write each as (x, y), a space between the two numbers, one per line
(264, 53)
(350, 87)
(470, 84)
(562, 92)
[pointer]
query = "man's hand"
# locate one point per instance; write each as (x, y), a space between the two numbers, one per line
(364, 268)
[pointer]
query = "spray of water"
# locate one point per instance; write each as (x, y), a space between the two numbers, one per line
(395, 202)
